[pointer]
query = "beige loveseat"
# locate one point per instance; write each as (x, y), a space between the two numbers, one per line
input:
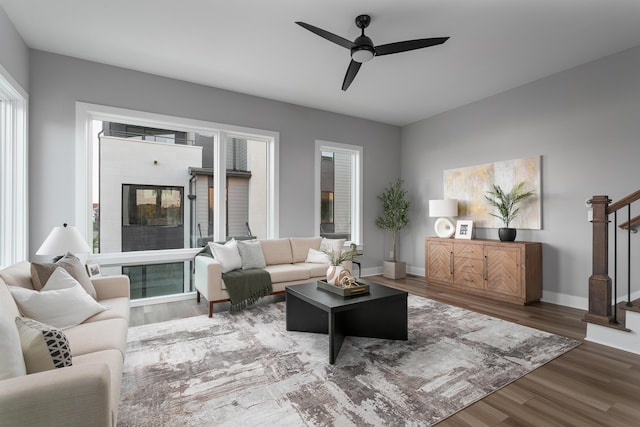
(86, 393)
(285, 261)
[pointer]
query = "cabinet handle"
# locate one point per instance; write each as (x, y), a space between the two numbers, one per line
(484, 267)
(450, 262)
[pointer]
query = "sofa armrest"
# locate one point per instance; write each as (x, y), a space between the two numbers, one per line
(75, 395)
(208, 276)
(111, 286)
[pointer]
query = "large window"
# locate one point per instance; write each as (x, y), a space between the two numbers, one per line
(157, 186)
(339, 190)
(13, 171)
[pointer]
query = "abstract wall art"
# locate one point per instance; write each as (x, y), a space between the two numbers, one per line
(469, 186)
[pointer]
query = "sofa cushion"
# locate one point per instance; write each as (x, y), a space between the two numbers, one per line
(97, 336)
(227, 254)
(300, 247)
(116, 308)
(287, 273)
(277, 251)
(314, 269)
(61, 303)
(12, 362)
(18, 274)
(251, 254)
(43, 347)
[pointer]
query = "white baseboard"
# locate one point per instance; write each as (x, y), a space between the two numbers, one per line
(572, 301)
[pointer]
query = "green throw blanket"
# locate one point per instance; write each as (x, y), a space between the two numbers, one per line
(246, 287)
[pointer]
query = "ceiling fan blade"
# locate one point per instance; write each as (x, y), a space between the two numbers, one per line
(405, 46)
(351, 74)
(327, 35)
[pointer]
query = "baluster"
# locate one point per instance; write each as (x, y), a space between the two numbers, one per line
(615, 267)
(629, 256)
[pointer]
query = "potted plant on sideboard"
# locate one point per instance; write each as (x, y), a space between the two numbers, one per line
(507, 206)
(395, 217)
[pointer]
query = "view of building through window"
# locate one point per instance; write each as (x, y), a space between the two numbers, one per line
(336, 179)
(154, 190)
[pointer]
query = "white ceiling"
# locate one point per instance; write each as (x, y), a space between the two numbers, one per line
(254, 46)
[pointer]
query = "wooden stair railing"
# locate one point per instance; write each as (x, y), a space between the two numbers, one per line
(601, 305)
(634, 223)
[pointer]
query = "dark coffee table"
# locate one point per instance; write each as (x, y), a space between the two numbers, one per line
(380, 314)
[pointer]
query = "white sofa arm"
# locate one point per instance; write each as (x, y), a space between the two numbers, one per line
(111, 286)
(208, 276)
(72, 396)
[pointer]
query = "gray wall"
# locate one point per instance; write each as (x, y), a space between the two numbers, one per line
(585, 122)
(14, 54)
(57, 82)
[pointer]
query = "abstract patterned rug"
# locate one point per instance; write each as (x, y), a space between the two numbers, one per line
(247, 370)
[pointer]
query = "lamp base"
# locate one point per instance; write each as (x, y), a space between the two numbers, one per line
(445, 227)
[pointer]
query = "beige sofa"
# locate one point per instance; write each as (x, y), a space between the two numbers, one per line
(285, 262)
(86, 393)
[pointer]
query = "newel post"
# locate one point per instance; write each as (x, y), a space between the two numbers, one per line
(600, 307)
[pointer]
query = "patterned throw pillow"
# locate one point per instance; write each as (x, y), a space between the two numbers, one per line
(43, 347)
(251, 254)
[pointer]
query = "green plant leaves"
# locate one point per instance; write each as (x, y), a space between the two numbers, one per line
(506, 202)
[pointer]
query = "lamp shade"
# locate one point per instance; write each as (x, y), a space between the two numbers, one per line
(443, 208)
(62, 240)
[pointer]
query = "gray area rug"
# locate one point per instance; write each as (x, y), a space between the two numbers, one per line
(247, 370)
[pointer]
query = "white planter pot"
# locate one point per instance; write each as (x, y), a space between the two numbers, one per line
(335, 273)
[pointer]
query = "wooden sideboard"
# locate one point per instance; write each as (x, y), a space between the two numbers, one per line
(507, 271)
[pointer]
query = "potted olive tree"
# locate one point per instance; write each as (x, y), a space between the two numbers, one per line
(395, 217)
(507, 206)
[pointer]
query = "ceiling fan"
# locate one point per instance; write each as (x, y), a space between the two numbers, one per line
(362, 48)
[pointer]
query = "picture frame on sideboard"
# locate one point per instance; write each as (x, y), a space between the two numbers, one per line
(464, 229)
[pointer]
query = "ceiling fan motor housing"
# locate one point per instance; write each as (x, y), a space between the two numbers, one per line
(363, 50)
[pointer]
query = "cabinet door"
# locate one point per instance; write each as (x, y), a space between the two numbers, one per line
(502, 270)
(440, 261)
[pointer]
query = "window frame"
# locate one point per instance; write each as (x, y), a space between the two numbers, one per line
(14, 185)
(356, 152)
(86, 113)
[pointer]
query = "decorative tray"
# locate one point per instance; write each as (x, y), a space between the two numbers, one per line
(361, 289)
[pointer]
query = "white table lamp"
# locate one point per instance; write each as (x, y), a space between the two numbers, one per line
(444, 210)
(62, 240)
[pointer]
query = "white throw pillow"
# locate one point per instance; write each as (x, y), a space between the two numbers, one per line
(12, 362)
(62, 303)
(317, 257)
(332, 245)
(227, 255)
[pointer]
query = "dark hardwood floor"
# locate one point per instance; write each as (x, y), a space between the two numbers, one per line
(592, 385)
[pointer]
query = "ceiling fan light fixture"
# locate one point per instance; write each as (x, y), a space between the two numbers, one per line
(362, 48)
(362, 54)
